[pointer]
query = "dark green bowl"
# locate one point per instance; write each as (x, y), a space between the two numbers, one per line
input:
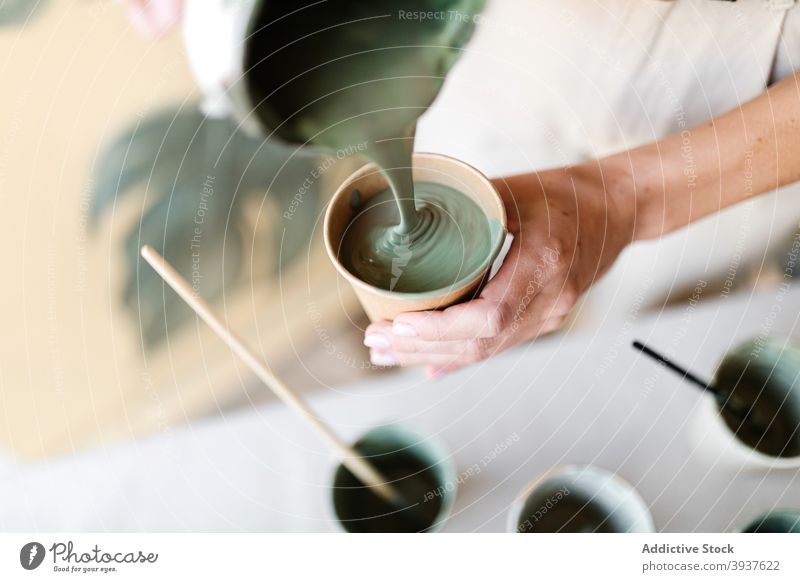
(579, 499)
(764, 374)
(419, 467)
(779, 521)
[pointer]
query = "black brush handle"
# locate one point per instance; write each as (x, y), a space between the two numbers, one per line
(687, 375)
(724, 399)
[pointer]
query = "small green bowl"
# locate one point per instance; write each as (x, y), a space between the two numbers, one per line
(420, 467)
(767, 372)
(579, 499)
(778, 521)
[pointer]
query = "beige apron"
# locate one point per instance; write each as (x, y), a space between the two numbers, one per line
(553, 82)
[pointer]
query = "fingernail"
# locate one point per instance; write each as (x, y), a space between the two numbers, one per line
(383, 359)
(142, 23)
(166, 14)
(162, 22)
(435, 373)
(403, 330)
(376, 340)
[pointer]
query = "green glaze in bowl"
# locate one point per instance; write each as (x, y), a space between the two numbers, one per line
(764, 374)
(779, 521)
(419, 467)
(579, 499)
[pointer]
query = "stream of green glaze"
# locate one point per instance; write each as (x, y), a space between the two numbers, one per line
(339, 73)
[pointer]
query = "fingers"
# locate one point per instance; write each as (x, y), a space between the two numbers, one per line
(513, 288)
(529, 296)
(511, 309)
(480, 318)
(440, 357)
(379, 336)
(381, 358)
(510, 296)
(414, 353)
(153, 18)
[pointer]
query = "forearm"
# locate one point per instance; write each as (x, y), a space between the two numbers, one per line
(689, 175)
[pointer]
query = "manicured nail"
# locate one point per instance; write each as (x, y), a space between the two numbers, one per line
(376, 340)
(162, 22)
(142, 23)
(383, 359)
(403, 330)
(166, 14)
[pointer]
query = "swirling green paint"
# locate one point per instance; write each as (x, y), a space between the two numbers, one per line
(451, 240)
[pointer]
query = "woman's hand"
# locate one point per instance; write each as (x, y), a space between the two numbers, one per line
(154, 17)
(568, 229)
(571, 224)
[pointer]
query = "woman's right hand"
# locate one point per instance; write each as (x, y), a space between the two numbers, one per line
(153, 18)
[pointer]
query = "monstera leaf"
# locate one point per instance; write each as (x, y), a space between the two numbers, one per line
(198, 174)
(14, 12)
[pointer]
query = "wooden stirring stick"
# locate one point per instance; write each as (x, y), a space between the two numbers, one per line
(350, 458)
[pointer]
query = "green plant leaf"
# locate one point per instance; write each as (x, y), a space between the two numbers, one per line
(15, 12)
(198, 173)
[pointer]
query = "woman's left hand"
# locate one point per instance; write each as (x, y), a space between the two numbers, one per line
(568, 229)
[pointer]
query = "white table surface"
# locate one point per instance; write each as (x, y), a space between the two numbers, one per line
(569, 399)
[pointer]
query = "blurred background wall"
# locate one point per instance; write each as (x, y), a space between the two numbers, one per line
(76, 369)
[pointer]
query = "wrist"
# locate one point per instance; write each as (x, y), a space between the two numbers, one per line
(635, 190)
(610, 186)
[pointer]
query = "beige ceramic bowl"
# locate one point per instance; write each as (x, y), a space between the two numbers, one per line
(381, 304)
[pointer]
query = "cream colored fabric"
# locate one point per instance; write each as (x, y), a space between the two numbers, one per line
(553, 82)
(788, 57)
